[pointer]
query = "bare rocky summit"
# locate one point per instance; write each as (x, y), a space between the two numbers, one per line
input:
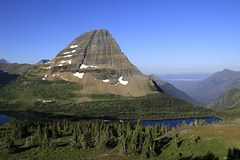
(94, 60)
(3, 61)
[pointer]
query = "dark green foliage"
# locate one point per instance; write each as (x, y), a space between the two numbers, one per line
(106, 96)
(156, 106)
(8, 143)
(128, 140)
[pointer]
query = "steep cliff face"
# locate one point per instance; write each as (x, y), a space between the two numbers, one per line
(94, 60)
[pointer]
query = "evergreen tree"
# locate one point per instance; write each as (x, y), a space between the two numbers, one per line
(39, 131)
(54, 130)
(122, 144)
(163, 129)
(134, 144)
(174, 138)
(103, 139)
(8, 144)
(46, 135)
(14, 128)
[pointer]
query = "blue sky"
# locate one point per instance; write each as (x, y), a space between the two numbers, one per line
(157, 36)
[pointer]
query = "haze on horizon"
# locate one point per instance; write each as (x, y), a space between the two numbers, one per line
(161, 37)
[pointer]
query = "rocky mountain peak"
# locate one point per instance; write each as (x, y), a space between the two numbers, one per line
(43, 61)
(3, 61)
(94, 59)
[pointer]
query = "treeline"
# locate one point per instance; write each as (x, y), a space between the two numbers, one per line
(126, 139)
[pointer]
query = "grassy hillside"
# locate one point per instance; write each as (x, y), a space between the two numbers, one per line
(229, 100)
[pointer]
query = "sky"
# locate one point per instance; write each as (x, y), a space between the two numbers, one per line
(157, 36)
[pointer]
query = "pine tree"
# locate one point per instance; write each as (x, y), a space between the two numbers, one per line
(8, 144)
(122, 144)
(59, 129)
(174, 138)
(14, 128)
(133, 147)
(103, 139)
(163, 129)
(46, 134)
(39, 131)
(54, 130)
(145, 149)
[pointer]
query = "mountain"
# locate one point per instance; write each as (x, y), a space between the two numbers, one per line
(229, 100)
(95, 62)
(215, 86)
(11, 71)
(92, 78)
(15, 68)
(184, 82)
(3, 61)
(171, 90)
(43, 61)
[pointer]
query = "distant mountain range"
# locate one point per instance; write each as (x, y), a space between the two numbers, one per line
(215, 86)
(184, 82)
(171, 90)
(43, 61)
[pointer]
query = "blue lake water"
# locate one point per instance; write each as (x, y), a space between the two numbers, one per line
(4, 119)
(175, 122)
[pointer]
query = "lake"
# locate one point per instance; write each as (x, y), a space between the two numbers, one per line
(4, 119)
(175, 122)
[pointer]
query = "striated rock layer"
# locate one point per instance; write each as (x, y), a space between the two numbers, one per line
(94, 59)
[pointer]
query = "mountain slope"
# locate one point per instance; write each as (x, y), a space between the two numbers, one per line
(170, 89)
(229, 100)
(11, 71)
(215, 86)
